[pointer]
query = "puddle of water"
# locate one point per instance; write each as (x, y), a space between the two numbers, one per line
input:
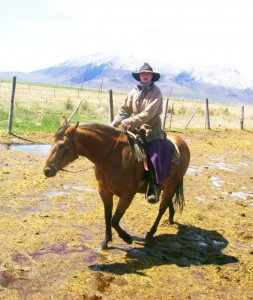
(67, 190)
(221, 166)
(5, 209)
(56, 193)
(35, 148)
(241, 245)
(193, 170)
(241, 195)
(219, 244)
(202, 244)
(199, 198)
(216, 181)
(78, 188)
(42, 206)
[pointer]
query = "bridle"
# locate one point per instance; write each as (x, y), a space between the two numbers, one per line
(64, 150)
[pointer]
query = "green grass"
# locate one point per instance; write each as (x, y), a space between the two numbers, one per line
(26, 120)
(40, 107)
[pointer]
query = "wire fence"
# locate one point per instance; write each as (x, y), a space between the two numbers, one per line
(38, 107)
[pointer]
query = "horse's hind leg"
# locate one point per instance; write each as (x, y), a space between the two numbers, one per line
(153, 229)
(179, 201)
(171, 212)
(166, 202)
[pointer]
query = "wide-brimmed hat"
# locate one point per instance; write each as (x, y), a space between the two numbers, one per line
(146, 68)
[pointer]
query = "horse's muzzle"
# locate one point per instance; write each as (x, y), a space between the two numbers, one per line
(50, 172)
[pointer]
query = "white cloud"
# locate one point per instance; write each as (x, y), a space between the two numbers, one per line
(182, 32)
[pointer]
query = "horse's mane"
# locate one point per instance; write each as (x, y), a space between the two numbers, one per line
(99, 127)
(95, 127)
(61, 131)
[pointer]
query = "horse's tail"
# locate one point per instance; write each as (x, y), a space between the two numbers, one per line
(179, 196)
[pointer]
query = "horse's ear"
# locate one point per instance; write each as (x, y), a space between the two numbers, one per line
(64, 121)
(77, 124)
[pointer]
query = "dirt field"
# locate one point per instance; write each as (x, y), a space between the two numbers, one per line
(50, 229)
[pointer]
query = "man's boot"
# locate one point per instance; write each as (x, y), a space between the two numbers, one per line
(153, 191)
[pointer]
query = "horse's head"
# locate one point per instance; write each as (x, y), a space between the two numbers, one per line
(63, 150)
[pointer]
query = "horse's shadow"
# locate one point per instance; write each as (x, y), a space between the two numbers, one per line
(190, 246)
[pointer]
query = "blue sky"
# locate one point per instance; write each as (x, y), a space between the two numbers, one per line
(37, 34)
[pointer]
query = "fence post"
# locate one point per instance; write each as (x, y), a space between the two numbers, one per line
(242, 117)
(111, 116)
(207, 125)
(12, 104)
(165, 112)
(171, 113)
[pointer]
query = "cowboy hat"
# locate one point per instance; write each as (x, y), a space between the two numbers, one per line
(146, 68)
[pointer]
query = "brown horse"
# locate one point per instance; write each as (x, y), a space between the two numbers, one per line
(117, 171)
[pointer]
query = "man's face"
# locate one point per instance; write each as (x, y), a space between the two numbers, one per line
(146, 77)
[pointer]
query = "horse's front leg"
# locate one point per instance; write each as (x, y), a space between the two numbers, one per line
(108, 205)
(122, 206)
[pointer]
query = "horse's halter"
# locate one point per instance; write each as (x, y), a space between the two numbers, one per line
(64, 150)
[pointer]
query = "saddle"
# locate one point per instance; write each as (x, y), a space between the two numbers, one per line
(138, 144)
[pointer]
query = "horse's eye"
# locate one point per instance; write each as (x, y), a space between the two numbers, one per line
(61, 146)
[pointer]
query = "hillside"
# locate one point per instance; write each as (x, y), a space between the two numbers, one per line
(114, 72)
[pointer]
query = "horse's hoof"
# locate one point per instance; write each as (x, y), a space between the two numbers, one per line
(171, 221)
(103, 246)
(127, 238)
(149, 237)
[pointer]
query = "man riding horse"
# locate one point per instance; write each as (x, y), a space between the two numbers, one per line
(142, 109)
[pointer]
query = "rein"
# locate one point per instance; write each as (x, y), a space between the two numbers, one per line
(117, 142)
(72, 140)
(83, 170)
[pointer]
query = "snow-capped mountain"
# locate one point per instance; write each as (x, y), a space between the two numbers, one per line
(224, 76)
(222, 84)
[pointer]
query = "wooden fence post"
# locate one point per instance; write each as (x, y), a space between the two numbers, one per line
(207, 125)
(111, 116)
(171, 113)
(242, 117)
(12, 105)
(165, 113)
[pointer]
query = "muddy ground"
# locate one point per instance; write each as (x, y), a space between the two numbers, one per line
(50, 229)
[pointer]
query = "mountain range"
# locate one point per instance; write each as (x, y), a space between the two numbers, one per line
(104, 71)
